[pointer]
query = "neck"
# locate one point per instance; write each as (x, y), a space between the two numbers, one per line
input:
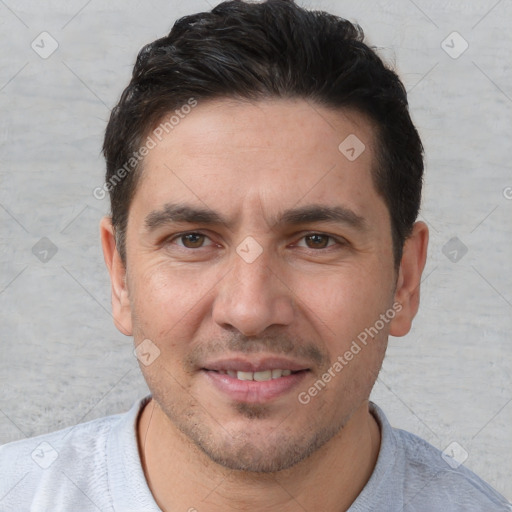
(182, 477)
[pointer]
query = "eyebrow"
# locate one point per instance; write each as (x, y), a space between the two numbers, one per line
(181, 213)
(175, 213)
(322, 213)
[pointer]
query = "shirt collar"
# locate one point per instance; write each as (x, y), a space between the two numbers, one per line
(127, 482)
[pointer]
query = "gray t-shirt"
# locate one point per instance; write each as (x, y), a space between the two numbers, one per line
(95, 466)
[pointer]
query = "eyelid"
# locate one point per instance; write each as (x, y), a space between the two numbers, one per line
(178, 236)
(335, 239)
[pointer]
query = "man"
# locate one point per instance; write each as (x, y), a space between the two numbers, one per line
(265, 179)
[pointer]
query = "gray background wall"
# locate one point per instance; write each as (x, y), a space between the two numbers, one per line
(61, 359)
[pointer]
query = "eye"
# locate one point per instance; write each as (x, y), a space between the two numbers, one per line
(191, 240)
(317, 241)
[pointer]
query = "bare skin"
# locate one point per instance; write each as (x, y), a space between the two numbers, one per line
(209, 441)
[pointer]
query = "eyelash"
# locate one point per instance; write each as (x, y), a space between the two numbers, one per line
(336, 240)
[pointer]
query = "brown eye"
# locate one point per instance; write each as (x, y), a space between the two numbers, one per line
(192, 240)
(317, 241)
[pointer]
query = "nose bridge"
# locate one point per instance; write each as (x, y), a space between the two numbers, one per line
(251, 297)
(251, 271)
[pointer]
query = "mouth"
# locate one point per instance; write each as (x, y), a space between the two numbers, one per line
(254, 382)
(260, 376)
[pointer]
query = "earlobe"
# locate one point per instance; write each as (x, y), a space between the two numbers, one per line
(121, 310)
(407, 292)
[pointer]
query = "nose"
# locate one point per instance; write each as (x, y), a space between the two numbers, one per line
(253, 296)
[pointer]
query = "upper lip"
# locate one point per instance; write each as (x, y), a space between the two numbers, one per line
(255, 364)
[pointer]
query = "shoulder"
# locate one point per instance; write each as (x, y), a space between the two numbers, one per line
(62, 463)
(411, 475)
(435, 479)
(65, 441)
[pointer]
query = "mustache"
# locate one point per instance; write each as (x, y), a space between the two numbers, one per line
(275, 344)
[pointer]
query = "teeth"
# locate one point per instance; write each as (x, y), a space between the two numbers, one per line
(257, 376)
(261, 376)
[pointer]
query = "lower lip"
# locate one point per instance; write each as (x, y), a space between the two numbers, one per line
(252, 391)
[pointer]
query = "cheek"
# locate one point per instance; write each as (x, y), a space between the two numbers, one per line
(347, 301)
(348, 319)
(167, 298)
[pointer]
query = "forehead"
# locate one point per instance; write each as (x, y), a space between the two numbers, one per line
(273, 153)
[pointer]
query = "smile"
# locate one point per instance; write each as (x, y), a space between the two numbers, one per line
(260, 376)
(260, 386)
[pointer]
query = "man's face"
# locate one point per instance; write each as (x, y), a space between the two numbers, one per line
(262, 277)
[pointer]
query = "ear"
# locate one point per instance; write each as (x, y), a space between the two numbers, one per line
(407, 292)
(121, 310)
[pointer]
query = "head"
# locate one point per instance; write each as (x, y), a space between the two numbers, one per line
(265, 178)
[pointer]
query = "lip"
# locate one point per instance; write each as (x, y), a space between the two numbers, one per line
(251, 391)
(255, 364)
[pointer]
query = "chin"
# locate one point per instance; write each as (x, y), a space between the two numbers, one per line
(240, 451)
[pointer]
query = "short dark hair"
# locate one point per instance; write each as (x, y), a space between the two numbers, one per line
(255, 51)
